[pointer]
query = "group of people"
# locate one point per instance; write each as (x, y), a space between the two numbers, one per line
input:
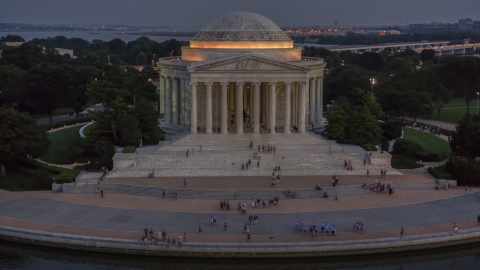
(225, 205)
(379, 187)
(335, 180)
(275, 179)
(267, 149)
(325, 228)
(383, 174)
(358, 226)
(150, 237)
(348, 165)
(248, 163)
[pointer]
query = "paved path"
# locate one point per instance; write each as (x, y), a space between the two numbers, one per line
(444, 125)
(34, 209)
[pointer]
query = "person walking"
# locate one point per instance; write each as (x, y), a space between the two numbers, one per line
(163, 194)
(455, 228)
(185, 183)
(200, 228)
(101, 193)
(184, 237)
(401, 232)
(225, 225)
(187, 153)
(211, 220)
(368, 173)
(248, 238)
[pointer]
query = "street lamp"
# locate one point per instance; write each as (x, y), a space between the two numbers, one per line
(372, 82)
(478, 96)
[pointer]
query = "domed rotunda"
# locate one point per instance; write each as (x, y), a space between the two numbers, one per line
(241, 73)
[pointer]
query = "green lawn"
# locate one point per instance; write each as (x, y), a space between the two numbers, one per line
(454, 110)
(88, 130)
(18, 181)
(431, 144)
(59, 151)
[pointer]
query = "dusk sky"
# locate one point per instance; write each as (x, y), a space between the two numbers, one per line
(193, 14)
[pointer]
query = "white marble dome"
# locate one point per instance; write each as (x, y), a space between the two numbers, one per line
(241, 26)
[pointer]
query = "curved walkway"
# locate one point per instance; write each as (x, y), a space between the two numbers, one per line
(47, 211)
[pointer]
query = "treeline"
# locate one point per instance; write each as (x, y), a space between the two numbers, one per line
(456, 37)
(34, 78)
(406, 83)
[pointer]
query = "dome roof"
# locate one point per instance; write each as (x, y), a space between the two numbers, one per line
(241, 26)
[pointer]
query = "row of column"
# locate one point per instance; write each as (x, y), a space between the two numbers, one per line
(256, 102)
(316, 100)
(173, 92)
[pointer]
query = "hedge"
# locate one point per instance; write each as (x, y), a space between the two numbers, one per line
(63, 175)
(67, 122)
(440, 172)
(129, 149)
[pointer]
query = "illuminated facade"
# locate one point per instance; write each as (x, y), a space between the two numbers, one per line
(241, 73)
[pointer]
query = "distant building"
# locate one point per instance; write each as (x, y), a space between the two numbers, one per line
(65, 52)
(13, 44)
(382, 32)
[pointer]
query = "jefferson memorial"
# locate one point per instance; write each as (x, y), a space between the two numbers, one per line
(242, 74)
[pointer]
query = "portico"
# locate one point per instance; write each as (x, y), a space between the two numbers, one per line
(242, 74)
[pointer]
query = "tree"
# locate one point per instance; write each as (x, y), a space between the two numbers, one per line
(46, 88)
(141, 59)
(81, 77)
(414, 104)
(427, 55)
(466, 139)
(19, 136)
(337, 122)
(12, 38)
(11, 85)
(440, 97)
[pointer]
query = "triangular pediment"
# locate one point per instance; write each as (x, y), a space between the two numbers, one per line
(246, 62)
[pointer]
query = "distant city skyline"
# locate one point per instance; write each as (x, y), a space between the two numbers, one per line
(194, 14)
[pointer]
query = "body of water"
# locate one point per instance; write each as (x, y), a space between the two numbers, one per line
(103, 35)
(17, 256)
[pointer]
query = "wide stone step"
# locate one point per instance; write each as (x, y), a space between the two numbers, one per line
(212, 194)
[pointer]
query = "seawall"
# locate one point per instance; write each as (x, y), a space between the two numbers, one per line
(241, 250)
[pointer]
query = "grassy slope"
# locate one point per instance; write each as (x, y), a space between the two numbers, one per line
(431, 144)
(60, 142)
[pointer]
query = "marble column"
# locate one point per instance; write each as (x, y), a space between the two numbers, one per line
(301, 108)
(286, 122)
(239, 107)
(175, 99)
(271, 108)
(181, 102)
(312, 101)
(223, 110)
(318, 104)
(256, 108)
(162, 95)
(193, 107)
(168, 100)
(320, 109)
(208, 108)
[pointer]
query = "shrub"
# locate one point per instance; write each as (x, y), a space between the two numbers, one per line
(129, 149)
(428, 157)
(42, 179)
(385, 146)
(407, 147)
(404, 162)
(466, 171)
(391, 130)
(369, 147)
(440, 172)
